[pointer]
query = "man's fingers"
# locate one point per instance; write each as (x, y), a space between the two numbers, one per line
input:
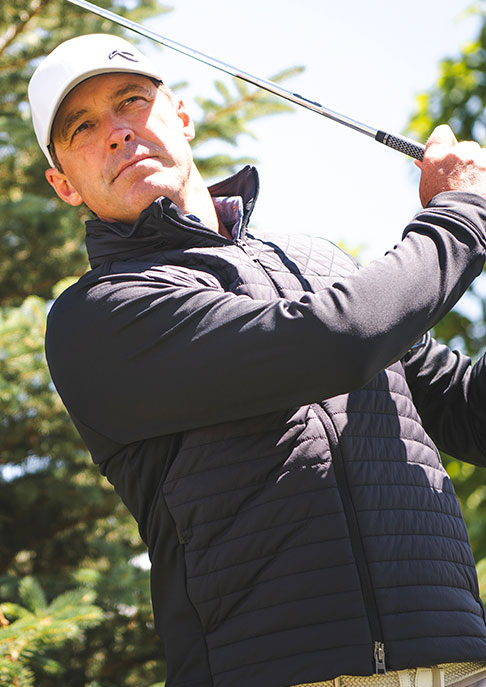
(442, 135)
(469, 149)
(451, 166)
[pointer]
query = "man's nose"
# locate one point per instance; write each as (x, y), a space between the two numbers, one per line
(119, 135)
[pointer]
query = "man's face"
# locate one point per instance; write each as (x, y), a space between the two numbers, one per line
(121, 143)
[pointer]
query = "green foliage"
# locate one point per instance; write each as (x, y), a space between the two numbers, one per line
(459, 99)
(226, 118)
(481, 568)
(61, 521)
(26, 630)
(65, 536)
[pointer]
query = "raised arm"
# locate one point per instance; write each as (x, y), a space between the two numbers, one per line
(142, 352)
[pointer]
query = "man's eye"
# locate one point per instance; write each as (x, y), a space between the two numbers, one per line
(80, 128)
(132, 99)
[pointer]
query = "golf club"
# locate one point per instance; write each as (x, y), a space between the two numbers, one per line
(400, 143)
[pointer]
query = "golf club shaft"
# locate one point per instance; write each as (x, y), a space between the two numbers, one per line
(400, 143)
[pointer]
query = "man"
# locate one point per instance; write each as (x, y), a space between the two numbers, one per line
(260, 403)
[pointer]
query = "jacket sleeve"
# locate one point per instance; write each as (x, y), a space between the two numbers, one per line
(450, 395)
(138, 354)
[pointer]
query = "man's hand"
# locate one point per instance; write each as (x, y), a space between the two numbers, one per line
(451, 166)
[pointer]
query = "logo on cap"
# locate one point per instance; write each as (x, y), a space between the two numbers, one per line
(126, 55)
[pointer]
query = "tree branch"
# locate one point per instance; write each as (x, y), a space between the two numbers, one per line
(25, 17)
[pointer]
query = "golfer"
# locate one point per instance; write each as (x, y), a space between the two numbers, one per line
(269, 412)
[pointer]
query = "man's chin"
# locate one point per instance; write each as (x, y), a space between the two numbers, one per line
(130, 198)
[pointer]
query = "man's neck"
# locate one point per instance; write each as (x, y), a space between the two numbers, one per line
(198, 202)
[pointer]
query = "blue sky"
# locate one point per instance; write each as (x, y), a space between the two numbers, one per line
(367, 60)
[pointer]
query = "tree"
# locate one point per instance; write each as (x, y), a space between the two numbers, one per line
(61, 524)
(39, 624)
(459, 99)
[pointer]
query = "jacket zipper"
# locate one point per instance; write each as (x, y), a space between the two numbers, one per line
(238, 241)
(350, 513)
(356, 541)
(242, 244)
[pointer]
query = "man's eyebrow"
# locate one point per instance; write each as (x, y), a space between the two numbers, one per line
(130, 88)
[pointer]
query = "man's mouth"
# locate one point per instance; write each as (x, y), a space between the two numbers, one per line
(129, 163)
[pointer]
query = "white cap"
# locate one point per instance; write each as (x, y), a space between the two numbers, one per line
(71, 63)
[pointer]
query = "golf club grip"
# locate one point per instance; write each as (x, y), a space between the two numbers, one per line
(402, 144)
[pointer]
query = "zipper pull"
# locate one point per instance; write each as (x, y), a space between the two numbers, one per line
(379, 654)
(241, 243)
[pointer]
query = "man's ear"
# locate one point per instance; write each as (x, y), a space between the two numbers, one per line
(63, 187)
(187, 123)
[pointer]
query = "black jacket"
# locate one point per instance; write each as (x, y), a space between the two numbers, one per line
(258, 405)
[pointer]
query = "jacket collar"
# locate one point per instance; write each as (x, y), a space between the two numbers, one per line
(163, 226)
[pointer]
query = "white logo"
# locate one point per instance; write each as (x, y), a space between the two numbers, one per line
(126, 55)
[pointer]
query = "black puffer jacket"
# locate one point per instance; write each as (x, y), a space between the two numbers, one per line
(292, 539)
